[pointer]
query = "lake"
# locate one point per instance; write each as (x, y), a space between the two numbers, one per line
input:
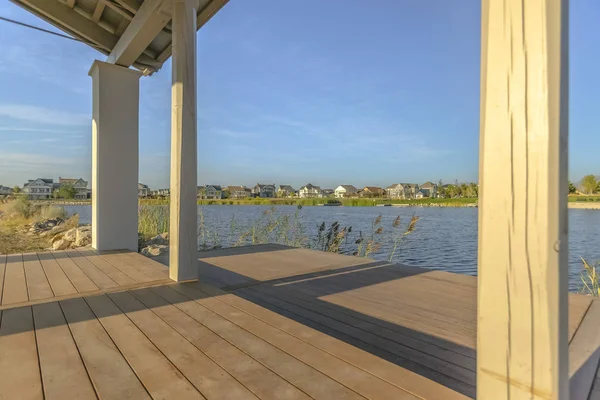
(445, 237)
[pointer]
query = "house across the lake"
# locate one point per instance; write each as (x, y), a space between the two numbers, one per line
(81, 187)
(286, 191)
(372, 191)
(345, 191)
(143, 190)
(429, 189)
(236, 192)
(264, 190)
(327, 192)
(39, 189)
(310, 191)
(211, 192)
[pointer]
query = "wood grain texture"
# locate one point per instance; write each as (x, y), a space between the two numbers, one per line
(584, 354)
(522, 337)
(309, 380)
(158, 375)
(401, 377)
(58, 280)
(2, 272)
(19, 370)
(256, 377)
(108, 370)
(63, 372)
(207, 376)
(348, 375)
(37, 283)
(78, 278)
(15, 286)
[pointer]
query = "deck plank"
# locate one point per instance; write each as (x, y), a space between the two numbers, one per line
(207, 376)
(259, 379)
(401, 377)
(2, 272)
(15, 286)
(78, 278)
(110, 373)
(63, 372)
(309, 380)
(453, 375)
(108, 270)
(115, 259)
(19, 370)
(155, 371)
(121, 275)
(37, 282)
(311, 290)
(146, 265)
(347, 374)
(584, 353)
(59, 282)
(99, 278)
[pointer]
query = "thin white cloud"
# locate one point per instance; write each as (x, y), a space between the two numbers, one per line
(43, 115)
(16, 168)
(32, 130)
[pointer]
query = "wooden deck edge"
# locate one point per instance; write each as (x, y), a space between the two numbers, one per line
(584, 353)
(139, 285)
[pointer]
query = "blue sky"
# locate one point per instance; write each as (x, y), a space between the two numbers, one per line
(328, 92)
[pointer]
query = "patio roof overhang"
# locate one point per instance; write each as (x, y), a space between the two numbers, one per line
(130, 32)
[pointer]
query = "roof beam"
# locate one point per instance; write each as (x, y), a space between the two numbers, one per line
(98, 11)
(204, 16)
(147, 23)
(65, 18)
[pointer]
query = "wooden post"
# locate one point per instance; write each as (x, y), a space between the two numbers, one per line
(522, 342)
(183, 255)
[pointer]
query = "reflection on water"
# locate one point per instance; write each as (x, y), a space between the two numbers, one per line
(445, 238)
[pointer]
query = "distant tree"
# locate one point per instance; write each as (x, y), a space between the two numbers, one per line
(16, 189)
(66, 192)
(572, 188)
(589, 184)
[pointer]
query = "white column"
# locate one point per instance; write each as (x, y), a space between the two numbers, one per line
(114, 156)
(522, 337)
(183, 255)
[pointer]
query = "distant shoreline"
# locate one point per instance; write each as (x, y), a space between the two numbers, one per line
(464, 202)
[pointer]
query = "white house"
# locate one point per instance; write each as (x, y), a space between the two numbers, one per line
(39, 189)
(310, 191)
(345, 191)
(80, 186)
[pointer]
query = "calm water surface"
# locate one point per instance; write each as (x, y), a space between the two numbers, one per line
(445, 238)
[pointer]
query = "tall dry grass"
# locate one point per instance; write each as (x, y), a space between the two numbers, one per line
(590, 278)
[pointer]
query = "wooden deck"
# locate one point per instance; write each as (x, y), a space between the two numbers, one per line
(264, 322)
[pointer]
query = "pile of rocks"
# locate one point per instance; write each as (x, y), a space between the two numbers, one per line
(75, 237)
(156, 246)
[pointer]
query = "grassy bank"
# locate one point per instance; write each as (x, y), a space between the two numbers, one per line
(18, 213)
(578, 199)
(460, 202)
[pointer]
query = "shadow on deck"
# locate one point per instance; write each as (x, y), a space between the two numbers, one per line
(264, 321)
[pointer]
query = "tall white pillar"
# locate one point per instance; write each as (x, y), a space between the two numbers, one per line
(183, 255)
(522, 329)
(114, 156)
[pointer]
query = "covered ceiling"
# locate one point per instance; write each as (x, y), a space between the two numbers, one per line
(130, 32)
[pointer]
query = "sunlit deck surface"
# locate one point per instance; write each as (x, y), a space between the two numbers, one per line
(265, 322)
